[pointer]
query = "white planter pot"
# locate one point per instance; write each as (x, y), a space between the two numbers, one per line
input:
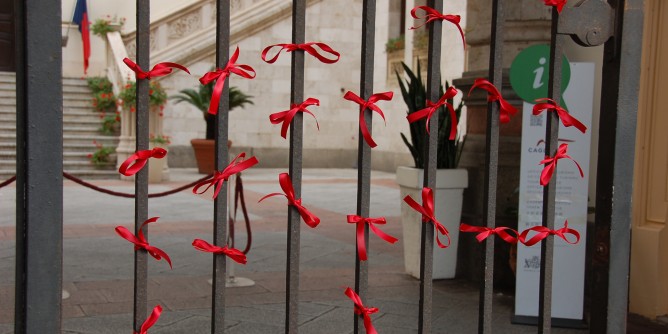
(450, 185)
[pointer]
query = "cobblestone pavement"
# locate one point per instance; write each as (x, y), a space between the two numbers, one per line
(98, 264)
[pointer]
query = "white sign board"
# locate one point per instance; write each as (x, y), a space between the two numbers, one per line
(571, 202)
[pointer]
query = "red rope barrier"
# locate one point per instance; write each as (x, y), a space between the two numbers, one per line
(116, 193)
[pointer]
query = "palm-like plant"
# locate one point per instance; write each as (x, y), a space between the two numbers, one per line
(201, 98)
(414, 93)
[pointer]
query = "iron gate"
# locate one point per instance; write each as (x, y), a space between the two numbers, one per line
(616, 23)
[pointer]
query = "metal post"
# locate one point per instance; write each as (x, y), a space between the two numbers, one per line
(141, 178)
(364, 150)
(222, 159)
(614, 184)
(39, 183)
(491, 167)
(427, 248)
(549, 192)
(295, 169)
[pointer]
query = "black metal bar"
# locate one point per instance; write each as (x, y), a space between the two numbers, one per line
(427, 248)
(549, 191)
(222, 159)
(614, 184)
(364, 150)
(141, 178)
(491, 167)
(39, 183)
(295, 169)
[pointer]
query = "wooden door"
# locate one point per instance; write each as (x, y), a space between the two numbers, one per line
(7, 36)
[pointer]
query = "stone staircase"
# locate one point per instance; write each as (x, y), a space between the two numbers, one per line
(80, 128)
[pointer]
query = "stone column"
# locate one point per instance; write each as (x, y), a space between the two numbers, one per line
(527, 23)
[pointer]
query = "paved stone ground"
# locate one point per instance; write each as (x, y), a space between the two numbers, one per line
(98, 264)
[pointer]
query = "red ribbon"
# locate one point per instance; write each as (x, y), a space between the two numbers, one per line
(566, 118)
(286, 184)
(361, 221)
(558, 3)
(543, 232)
(434, 15)
(432, 107)
(306, 47)
(362, 310)
(370, 103)
(485, 232)
(140, 158)
(232, 253)
(286, 116)
(220, 177)
(150, 321)
(428, 215)
(505, 109)
(219, 75)
(140, 241)
(551, 164)
(159, 70)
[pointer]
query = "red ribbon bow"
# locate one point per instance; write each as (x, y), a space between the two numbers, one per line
(220, 75)
(360, 221)
(566, 118)
(159, 70)
(551, 164)
(141, 243)
(220, 177)
(286, 116)
(543, 232)
(428, 215)
(286, 184)
(150, 321)
(432, 107)
(232, 253)
(370, 103)
(306, 47)
(505, 109)
(433, 15)
(485, 232)
(558, 3)
(140, 158)
(360, 309)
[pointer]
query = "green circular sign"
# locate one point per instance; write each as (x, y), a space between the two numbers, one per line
(530, 71)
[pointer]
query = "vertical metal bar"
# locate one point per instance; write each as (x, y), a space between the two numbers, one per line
(621, 77)
(222, 159)
(549, 192)
(491, 167)
(295, 169)
(363, 149)
(39, 151)
(427, 248)
(141, 178)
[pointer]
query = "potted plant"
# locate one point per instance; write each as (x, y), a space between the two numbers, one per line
(450, 182)
(200, 98)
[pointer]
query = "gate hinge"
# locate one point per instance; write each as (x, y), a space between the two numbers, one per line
(590, 23)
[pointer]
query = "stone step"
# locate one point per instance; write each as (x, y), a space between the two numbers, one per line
(67, 89)
(67, 147)
(68, 120)
(67, 110)
(69, 139)
(9, 98)
(83, 94)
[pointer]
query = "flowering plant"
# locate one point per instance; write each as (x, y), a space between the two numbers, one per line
(110, 123)
(157, 95)
(101, 156)
(103, 26)
(159, 139)
(103, 96)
